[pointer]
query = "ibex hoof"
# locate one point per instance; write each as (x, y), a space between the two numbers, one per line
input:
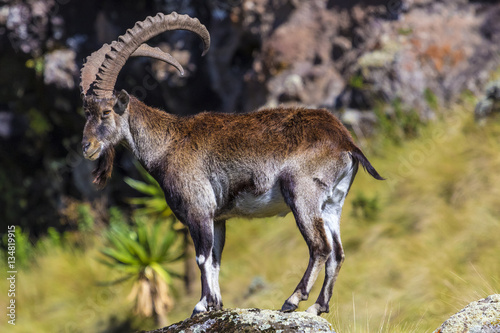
(288, 307)
(199, 308)
(318, 309)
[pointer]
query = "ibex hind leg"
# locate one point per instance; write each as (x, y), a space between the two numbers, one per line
(307, 215)
(332, 268)
(332, 210)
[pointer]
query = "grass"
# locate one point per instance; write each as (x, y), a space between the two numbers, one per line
(434, 246)
(64, 292)
(428, 247)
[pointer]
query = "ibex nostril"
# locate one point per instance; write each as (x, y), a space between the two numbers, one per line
(85, 146)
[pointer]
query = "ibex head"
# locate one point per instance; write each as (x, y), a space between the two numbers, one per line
(107, 110)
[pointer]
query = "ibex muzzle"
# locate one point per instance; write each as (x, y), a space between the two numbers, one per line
(213, 166)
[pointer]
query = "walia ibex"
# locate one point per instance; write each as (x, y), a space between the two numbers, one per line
(215, 166)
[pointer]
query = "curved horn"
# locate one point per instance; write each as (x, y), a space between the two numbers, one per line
(154, 52)
(91, 67)
(103, 66)
(94, 61)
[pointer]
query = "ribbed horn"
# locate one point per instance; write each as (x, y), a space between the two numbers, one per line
(154, 52)
(111, 58)
(88, 74)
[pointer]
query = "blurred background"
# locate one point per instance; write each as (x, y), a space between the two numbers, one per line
(414, 81)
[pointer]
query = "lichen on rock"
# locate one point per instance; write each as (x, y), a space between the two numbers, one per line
(250, 320)
(482, 316)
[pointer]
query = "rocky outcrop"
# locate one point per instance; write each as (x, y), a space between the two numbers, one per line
(250, 320)
(482, 316)
(435, 48)
(342, 56)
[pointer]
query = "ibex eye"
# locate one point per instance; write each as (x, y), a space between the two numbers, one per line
(106, 112)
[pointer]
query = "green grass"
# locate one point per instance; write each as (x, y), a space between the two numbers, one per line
(428, 246)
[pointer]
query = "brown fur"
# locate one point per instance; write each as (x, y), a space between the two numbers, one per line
(320, 235)
(273, 133)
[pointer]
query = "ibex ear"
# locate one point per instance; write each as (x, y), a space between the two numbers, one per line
(122, 100)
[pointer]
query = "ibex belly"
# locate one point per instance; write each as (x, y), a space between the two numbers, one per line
(249, 205)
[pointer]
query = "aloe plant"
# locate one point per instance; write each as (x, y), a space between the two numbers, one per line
(142, 253)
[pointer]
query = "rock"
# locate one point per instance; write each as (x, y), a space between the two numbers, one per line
(493, 90)
(490, 104)
(417, 54)
(250, 320)
(60, 69)
(362, 123)
(311, 52)
(482, 316)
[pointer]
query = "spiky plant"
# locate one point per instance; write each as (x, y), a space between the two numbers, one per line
(142, 253)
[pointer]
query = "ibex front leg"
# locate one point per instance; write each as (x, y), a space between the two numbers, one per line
(202, 233)
(219, 240)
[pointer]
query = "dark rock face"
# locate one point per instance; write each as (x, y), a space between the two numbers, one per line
(482, 316)
(250, 320)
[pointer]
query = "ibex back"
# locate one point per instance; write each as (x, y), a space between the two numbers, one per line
(216, 166)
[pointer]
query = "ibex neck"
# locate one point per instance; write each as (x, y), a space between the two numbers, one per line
(149, 132)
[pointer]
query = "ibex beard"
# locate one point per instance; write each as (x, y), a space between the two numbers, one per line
(214, 166)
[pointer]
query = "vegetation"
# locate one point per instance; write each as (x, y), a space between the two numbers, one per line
(398, 124)
(419, 246)
(141, 253)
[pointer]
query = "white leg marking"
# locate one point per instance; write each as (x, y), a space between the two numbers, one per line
(200, 260)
